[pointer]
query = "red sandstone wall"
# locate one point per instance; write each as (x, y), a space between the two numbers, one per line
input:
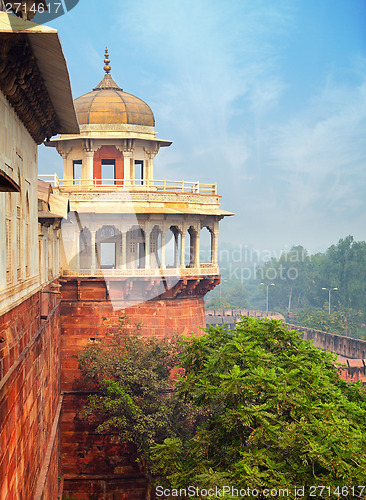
(92, 316)
(29, 396)
(94, 464)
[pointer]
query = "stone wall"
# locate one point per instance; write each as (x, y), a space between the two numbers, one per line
(92, 463)
(29, 399)
(343, 346)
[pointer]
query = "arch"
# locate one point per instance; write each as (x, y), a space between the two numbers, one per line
(135, 255)
(172, 247)
(108, 242)
(206, 245)
(155, 248)
(85, 249)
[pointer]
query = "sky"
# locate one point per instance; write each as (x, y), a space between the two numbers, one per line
(268, 99)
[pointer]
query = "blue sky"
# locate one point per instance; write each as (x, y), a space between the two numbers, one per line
(268, 99)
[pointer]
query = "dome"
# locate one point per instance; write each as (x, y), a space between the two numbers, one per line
(108, 104)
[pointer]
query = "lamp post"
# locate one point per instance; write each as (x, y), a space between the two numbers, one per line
(329, 290)
(271, 284)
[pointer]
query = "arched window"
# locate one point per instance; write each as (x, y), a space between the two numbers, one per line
(155, 248)
(135, 248)
(172, 247)
(108, 244)
(206, 245)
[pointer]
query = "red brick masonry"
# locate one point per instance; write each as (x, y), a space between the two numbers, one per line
(102, 464)
(29, 397)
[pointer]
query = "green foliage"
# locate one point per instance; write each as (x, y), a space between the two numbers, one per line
(229, 295)
(300, 278)
(134, 389)
(338, 322)
(277, 413)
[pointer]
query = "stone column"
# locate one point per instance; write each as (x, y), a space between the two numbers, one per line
(127, 157)
(132, 172)
(176, 236)
(214, 245)
(147, 231)
(92, 250)
(149, 172)
(77, 249)
(182, 249)
(162, 253)
(68, 172)
(124, 249)
(88, 166)
(196, 259)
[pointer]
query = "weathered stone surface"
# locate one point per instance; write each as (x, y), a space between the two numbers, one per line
(29, 396)
(92, 463)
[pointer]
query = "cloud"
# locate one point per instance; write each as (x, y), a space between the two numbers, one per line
(217, 73)
(319, 156)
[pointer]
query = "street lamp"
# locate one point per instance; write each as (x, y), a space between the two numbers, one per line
(271, 284)
(329, 290)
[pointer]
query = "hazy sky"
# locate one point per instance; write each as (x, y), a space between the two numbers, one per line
(268, 99)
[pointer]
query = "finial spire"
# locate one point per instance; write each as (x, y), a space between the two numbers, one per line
(107, 67)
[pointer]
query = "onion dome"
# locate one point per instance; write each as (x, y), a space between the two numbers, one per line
(108, 104)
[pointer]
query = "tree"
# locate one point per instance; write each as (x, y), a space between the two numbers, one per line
(131, 378)
(278, 414)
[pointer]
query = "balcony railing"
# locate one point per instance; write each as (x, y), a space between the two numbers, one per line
(202, 270)
(71, 185)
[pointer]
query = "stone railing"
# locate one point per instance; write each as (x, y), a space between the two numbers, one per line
(347, 347)
(202, 270)
(165, 186)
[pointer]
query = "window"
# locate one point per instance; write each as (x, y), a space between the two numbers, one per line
(8, 238)
(27, 238)
(141, 255)
(19, 242)
(139, 172)
(107, 255)
(108, 172)
(77, 171)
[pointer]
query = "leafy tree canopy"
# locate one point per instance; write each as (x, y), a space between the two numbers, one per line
(278, 414)
(131, 380)
(256, 406)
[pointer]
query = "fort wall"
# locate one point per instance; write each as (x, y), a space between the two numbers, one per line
(93, 463)
(30, 399)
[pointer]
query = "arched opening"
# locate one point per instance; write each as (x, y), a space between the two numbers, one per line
(135, 257)
(172, 247)
(155, 248)
(108, 166)
(85, 248)
(206, 245)
(108, 243)
(191, 257)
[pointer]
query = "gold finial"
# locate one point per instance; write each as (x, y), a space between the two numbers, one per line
(107, 67)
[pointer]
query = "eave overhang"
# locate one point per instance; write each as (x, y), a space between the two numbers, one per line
(7, 184)
(22, 41)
